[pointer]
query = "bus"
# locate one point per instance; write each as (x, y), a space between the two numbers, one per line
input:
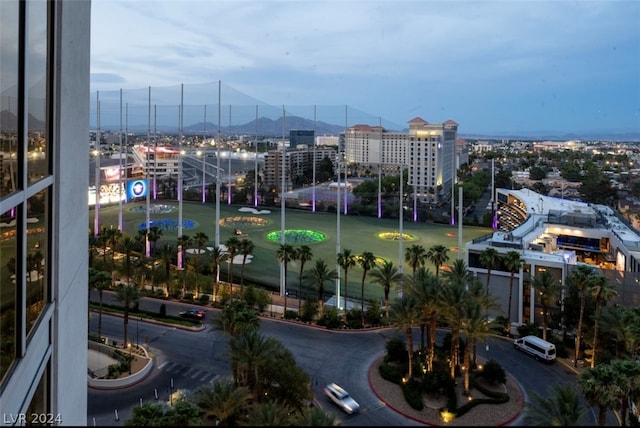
(536, 347)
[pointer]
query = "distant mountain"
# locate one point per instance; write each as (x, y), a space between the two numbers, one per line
(263, 126)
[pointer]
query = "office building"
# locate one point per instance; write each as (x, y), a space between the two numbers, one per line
(429, 151)
(44, 128)
(555, 235)
(301, 137)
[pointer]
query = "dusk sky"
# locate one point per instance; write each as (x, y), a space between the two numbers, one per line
(491, 66)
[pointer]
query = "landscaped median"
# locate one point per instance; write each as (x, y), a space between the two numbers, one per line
(149, 316)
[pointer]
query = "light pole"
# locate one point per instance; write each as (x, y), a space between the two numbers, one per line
(204, 190)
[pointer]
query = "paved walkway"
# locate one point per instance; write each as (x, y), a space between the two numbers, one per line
(99, 360)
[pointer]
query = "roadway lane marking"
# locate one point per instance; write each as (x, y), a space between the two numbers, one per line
(163, 364)
(196, 374)
(214, 378)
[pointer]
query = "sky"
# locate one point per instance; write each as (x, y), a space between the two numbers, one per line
(493, 67)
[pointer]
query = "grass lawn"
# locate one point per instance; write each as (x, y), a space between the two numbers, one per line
(357, 233)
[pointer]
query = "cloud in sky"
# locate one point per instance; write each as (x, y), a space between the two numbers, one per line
(492, 66)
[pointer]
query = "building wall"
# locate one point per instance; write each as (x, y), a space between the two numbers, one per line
(49, 371)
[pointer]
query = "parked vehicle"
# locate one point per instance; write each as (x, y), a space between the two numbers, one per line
(196, 314)
(538, 348)
(342, 398)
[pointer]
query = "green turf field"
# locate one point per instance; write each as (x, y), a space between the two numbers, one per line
(357, 233)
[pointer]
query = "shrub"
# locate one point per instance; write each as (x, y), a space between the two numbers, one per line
(396, 350)
(391, 372)
(413, 394)
(163, 310)
(493, 372)
(330, 318)
(309, 310)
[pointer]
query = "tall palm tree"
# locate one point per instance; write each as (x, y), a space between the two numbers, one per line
(112, 236)
(154, 235)
(561, 407)
(579, 278)
(128, 245)
(438, 255)
(452, 299)
(167, 253)
(600, 386)
(303, 255)
(245, 248)
(474, 326)
(285, 254)
(232, 249)
(425, 287)
(319, 275)
(100, 281)
(546, 287)
(200, 239)
(223, 400)
(404, 315)
(622, 324)
(218, 256)
(513, 261)
(128, 295)
(386, 275)
(346, 260)
(367, 261)
(490, 259)
(184, 241)
(252, 353)
(602, 291)
(415, 256)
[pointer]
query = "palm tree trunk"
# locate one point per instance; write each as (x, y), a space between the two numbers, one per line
(579, 332)
(410, 350)
(100, 317)
(467, 367)
(595, 334)
(509, 303)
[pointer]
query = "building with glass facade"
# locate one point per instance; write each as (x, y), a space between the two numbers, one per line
(44, 152)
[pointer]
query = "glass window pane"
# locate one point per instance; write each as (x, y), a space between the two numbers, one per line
(8, 267)
(8, 94)
(38, 165)
(37, 255)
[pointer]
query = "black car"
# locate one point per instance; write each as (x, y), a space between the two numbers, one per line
(196, 314)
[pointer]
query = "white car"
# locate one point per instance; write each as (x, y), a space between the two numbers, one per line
(342, 398)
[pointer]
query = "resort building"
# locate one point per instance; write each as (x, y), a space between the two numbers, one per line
(430, 152)
(44, 106)
(554, 234)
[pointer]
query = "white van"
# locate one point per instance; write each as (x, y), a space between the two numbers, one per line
(538, 348)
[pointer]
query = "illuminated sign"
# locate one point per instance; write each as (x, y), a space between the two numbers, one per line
(137, 188)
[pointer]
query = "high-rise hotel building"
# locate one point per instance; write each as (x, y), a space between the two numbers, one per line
(428, 151)
(44, 129)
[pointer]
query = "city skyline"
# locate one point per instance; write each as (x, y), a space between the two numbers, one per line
(493, 67)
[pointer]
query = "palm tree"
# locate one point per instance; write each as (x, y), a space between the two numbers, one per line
(452, 300)
(127, 246)
(546, 286)
(236, 319)
(99, 280)
(602, 291)
(303, 254)
(251, 353)
(513, 262)
(222, 400)
(561, 407)
(404, 315)
(270, 413)
(218, 256)
(415, 256)
(318, 276)
(346, 260)
(438, 255)
(474, 325)
(167, 253)
(622, 324)
(154, 235)
(246, 247)
(314, 417)
(232, 249)
(367, 261)
(386, 275)
(579, 278)
(489, 258)
(285, 254)
(200, 240)
(112, 236)
(425, 288)
(128, 295)
(184, 241)
(600, 386)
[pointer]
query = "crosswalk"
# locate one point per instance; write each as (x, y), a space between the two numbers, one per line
(182, 370)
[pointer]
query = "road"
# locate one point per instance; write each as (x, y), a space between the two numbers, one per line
(187, 359)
